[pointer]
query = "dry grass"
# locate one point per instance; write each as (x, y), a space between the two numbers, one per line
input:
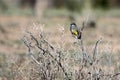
(16, 63)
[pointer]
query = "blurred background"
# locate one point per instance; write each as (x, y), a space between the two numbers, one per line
(102, 19)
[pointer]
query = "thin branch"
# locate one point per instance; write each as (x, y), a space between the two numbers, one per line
(95, 49)
(83, 50)
(83, 26)
(29, 49)
(47, 42)
(108, 75)
(116, 74)
(37, 44)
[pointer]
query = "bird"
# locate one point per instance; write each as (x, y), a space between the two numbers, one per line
(75, 31)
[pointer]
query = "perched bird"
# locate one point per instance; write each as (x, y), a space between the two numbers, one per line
(75, 31)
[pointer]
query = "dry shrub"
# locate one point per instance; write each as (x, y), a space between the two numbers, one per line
(53, 63)
(46, 61)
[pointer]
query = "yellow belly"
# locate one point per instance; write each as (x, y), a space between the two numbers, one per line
(74, 32)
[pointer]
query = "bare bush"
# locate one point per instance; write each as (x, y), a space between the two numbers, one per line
(53, 63)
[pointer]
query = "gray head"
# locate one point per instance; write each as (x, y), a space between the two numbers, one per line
(73, 26)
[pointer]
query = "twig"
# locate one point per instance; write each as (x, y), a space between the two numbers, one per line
(83, 26)
(95, 50)
(82, 45)
(47, 42)
(83, 50)
(116, 74)
(29, 49)
(44, 51)
(109, 75)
